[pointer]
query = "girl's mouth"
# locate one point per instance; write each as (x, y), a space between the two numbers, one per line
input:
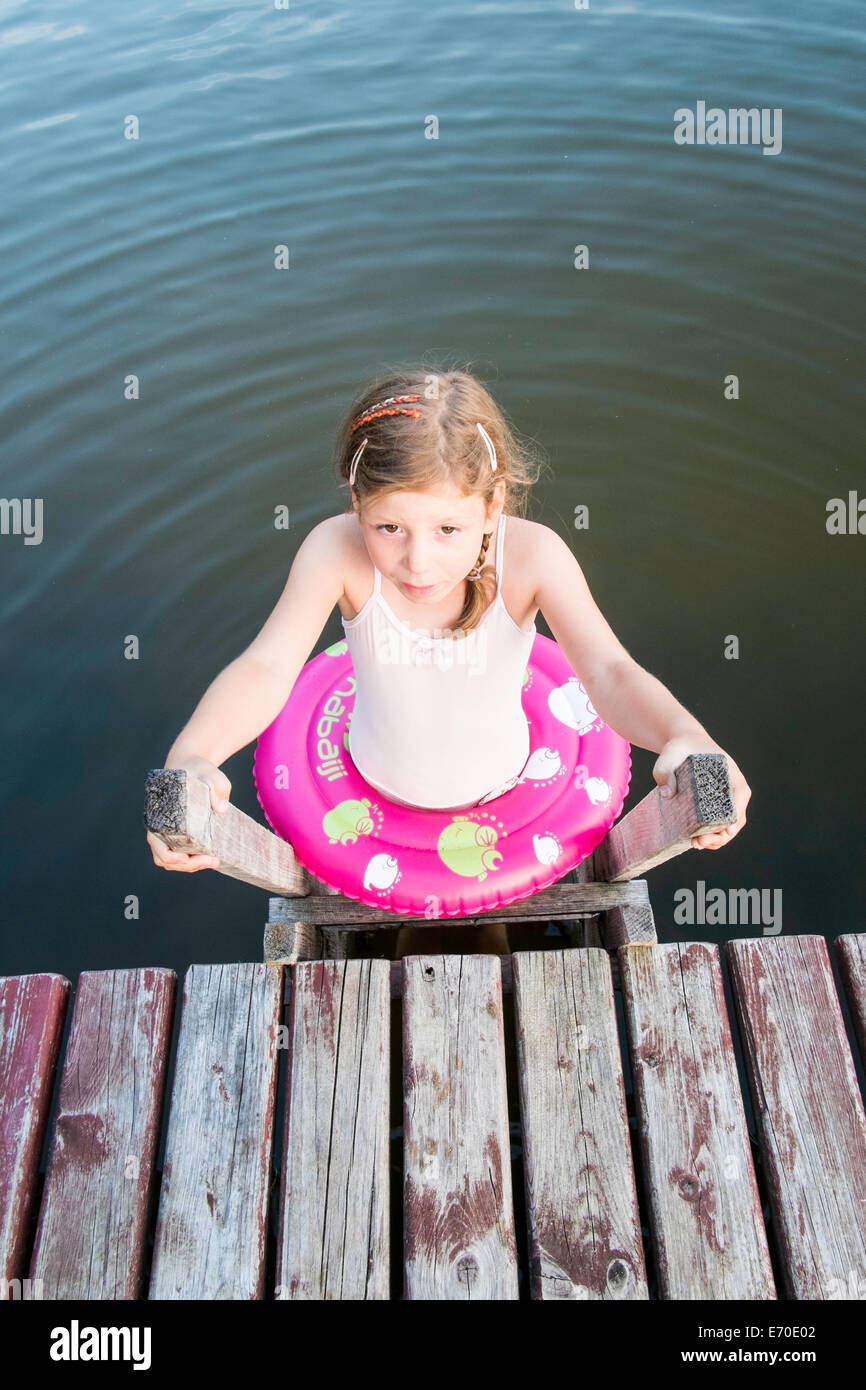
(419, 593)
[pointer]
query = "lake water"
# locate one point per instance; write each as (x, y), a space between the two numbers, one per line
(306, 127)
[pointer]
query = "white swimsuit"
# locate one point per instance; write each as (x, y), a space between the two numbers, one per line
(438, 723)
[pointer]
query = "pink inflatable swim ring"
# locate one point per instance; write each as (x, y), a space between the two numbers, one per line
(441, 863)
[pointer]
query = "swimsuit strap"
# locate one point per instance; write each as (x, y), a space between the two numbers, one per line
(500, 553)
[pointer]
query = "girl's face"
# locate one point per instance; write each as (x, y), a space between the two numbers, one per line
(426, 542)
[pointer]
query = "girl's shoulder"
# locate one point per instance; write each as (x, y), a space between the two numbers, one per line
(528, 541)
(348, 545)
(527, 545)
(350, 555)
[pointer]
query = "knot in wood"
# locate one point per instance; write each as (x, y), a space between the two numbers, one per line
(617, 1274)
(652, 1059)
(689, 1188)
(467, 1270)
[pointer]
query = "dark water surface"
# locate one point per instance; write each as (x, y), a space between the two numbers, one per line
(306, 127)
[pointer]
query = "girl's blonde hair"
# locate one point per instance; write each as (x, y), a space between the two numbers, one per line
(441, 444)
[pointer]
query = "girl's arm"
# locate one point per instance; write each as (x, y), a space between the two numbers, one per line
(644, 711)
(631, 701)
(238, 704)
(250, 692)
(641, 709)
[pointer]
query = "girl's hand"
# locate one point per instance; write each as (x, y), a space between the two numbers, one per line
(220, 791)
(673, 753)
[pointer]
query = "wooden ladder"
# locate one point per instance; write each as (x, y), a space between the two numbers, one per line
(604, 900)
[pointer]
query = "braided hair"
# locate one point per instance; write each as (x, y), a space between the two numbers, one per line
(479, 566)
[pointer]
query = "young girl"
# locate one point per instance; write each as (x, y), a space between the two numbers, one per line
(438, 577)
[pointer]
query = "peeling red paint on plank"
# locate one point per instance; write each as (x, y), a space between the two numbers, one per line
(812, 1125)
(91, 1236)
(704, 1204)
(458, 1215)
(211, 1229)
(32, 1014)
(584, 1224)
(332, 1239)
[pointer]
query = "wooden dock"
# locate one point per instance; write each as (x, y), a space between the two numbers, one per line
(446, 1126)
(441, 1127)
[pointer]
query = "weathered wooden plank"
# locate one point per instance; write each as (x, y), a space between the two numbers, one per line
(700, 1181)
(32, 1015)
(851, 954)
(396, 973)
(212, 1220)
(580, 931)
(809, 1111)
(334, 1215)
(177, 809)
(659, 827)
(336, 943)
(288, 940)
(561, 900)
(629, 925)
(581, 1202)
(459, 1240)
(91, 1240)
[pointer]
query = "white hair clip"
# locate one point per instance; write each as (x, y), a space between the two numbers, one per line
(354, 464)
(489, 442)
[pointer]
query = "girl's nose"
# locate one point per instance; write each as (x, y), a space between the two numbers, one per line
(417, 565)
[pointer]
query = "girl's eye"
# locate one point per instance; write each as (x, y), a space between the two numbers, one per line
(385, 524)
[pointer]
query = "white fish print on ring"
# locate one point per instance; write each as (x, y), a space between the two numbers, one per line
(571, 705)
(381, 873)
(547, 848)
(542, 765)
(597, 790)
